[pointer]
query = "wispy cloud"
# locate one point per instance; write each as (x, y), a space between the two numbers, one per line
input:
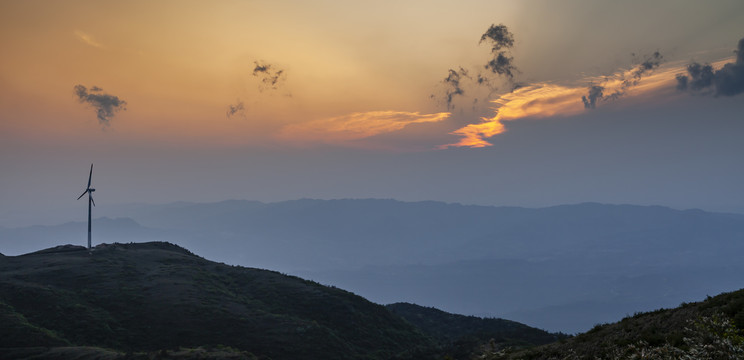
(536, 100)
(615, 86)
(545, 100)
(454, 85)
(462, 82)
(237, 109)
(106, 105)
(87, 38)
(355, 126)
(500, 38)
(270, 76)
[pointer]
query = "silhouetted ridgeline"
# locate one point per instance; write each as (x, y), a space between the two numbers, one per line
(149, 300)
(152, 296)
(160, 301)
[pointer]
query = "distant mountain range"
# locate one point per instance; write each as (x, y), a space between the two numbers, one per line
(146, 299)
(562, 268)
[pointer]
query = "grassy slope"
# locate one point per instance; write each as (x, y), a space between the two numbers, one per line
(16, 331)
(145, 297)
(447, 326)
(460, 334)
(94, 353)
(711, 329)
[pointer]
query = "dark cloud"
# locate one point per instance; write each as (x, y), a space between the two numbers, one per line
(106, 105)
(460, 83)
(237, 109)
(682, 82)
(650, 63)
(485, 80)
(502, 65)
(702, 79)
(500, 38)
(456, 82)
(590, 99)
(453, 85)
(271, 77)
(596, 93)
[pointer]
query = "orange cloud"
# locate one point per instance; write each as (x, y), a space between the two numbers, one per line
(355, 126)
(544, 100)
(537, 100)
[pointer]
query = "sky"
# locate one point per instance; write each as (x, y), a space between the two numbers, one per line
(521, 103)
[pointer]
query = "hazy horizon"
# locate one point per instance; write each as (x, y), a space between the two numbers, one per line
(61, 215)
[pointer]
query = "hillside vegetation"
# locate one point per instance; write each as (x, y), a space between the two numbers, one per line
(460, 335)
(160, 301)
(157, 296)
(711, 329)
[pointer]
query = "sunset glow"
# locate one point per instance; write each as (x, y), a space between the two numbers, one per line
(412, 100)
(355, 126)
(537, 101)
(546, 100)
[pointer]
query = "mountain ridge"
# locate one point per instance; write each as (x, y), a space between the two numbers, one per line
(150, 296)
(78, 303)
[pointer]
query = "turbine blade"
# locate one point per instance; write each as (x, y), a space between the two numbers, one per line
(90, 176)
(86, 190)
(93, 201)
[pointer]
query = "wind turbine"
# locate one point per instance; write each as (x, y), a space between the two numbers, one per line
(89, 191)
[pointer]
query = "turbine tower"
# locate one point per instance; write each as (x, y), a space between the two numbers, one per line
(89, 191)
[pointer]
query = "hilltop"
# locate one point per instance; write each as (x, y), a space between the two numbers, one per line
(155, 296)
